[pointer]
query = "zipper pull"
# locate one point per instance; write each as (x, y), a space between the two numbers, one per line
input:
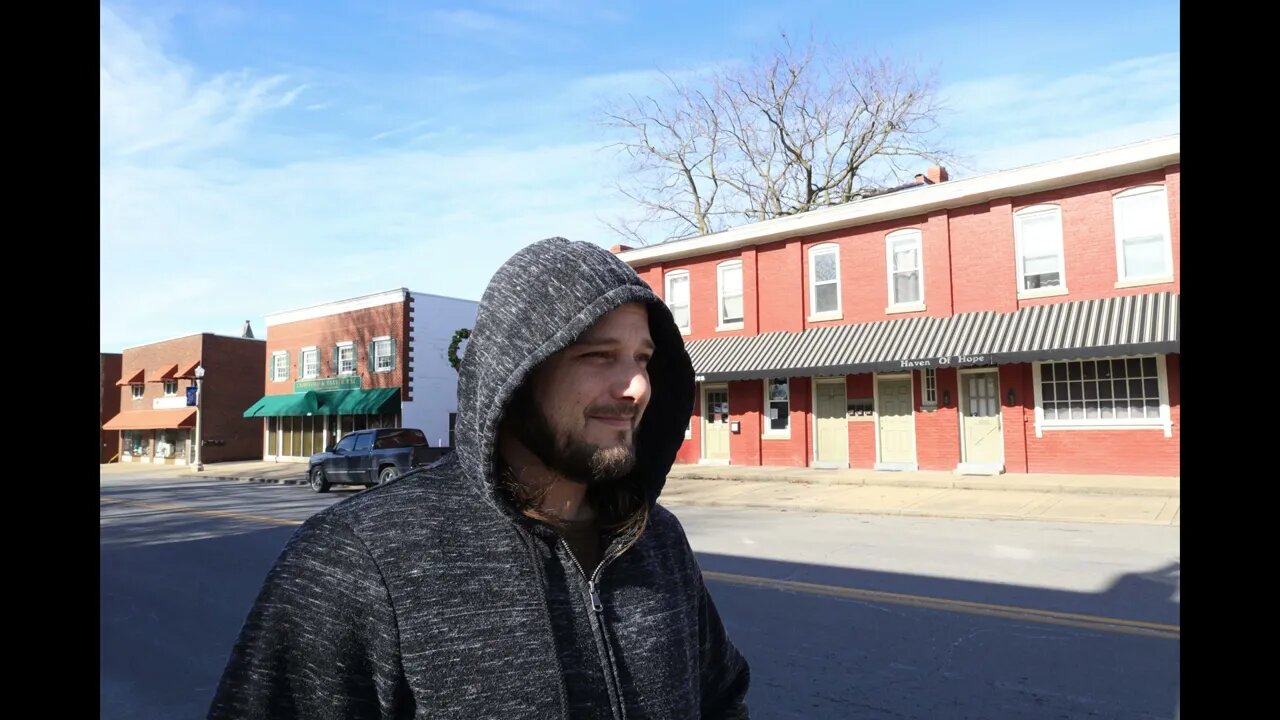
(595, 597)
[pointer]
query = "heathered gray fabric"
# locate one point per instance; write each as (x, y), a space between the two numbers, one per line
(430, 597)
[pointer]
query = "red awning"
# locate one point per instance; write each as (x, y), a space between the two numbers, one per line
(190, 372)
(152, 419)
(163, 373)
(127, 379)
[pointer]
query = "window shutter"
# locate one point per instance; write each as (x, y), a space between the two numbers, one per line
(334, 372)
(393, 353)
(369, 359)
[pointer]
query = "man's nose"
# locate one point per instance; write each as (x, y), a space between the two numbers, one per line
(634, 385)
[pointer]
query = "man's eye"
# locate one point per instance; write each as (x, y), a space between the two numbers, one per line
(644, 359)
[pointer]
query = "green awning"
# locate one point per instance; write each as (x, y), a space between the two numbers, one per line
(359, 402)
(290, 404)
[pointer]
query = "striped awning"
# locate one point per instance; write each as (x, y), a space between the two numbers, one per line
(1133, 324)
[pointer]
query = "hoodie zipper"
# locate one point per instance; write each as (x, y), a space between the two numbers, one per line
(597, 617)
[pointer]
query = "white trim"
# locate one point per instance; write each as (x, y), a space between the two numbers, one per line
(667, 277)
(1161, 280)
(275, 375)
(875, 414)
(1018, 266)
(765, 432)
(1165, 227)
(355, 358)
(1162, 377)
(905, 308)
(925, 403)
(1164, 422)
(374, 360)
(826, 248)
(978, 468)
(1115, 162)
(821, 317)
(889, 240)
(302, 362)
(813, 413)
(363, 302)
(1043, 292)
(721, 323)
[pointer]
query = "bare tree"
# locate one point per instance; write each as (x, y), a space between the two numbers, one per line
(798, 130)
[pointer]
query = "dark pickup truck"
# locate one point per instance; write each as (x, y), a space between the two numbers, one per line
(370, 457)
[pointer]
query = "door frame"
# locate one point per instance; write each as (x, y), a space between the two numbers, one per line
(914, 465)
(813, 405)
(967, 468)
(702, 418)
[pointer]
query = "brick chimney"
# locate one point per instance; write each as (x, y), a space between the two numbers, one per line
(932, 176)
(620, 248)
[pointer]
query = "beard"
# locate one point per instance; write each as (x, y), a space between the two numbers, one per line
(572, 457)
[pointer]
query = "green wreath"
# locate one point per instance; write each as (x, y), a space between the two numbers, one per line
(458, 337)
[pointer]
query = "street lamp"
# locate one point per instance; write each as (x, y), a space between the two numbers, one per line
(199, 417)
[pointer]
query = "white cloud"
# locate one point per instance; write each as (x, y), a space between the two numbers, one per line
(149, 102)
(1018, 119)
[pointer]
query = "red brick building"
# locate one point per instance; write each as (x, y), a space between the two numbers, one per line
(1019, 321)
(156, 424)
(108, 404)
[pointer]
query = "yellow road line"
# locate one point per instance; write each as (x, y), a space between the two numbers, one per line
(196, 511)
(1090, 622)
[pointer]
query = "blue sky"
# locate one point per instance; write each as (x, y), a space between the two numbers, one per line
(265, 156)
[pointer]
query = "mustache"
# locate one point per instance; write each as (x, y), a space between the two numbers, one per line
(626, 410)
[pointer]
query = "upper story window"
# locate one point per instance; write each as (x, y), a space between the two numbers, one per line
(906, 276)
(170, 388)
(344, 358)
(1144, 248)
(1037, 232)
(677, 297)
(280, 366)
(383, 352)
(824, 282)
(729, 295)
(310, 362)
(136, 390)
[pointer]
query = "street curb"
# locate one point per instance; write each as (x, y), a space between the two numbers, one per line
(959, 484)
(926, 514)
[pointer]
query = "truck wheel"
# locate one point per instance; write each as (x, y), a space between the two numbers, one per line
(317, 480)
(387, 473)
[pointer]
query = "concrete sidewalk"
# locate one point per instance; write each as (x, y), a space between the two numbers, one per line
(1043, 497)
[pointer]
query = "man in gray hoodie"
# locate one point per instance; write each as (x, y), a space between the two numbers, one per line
(530, 573)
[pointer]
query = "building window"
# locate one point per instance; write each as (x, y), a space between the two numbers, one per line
(346, 358)
(1101, 392)
(310, 363)
(383, 355)
(677, 297)
(777, 403)
(1037, 231)
(137, 390)
(929, 384)
(170, 388)
(824, 279)
(1143, 246)
(906, 286)
(729, 291)
(279, 366)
